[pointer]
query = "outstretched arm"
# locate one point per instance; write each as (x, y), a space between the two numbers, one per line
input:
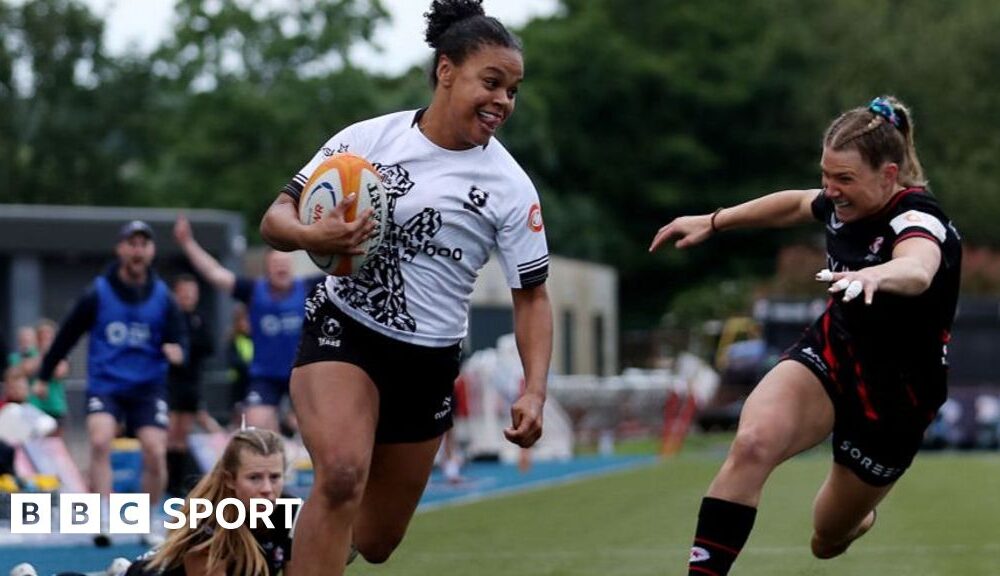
(210, 269)
(533, 333)
(910, 272)
(776, 210)
(332, 234)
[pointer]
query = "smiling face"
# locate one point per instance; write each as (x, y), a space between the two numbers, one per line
(856, 189)
(477, 95)
(258, 477)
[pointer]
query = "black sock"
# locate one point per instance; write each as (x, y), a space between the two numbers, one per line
(723, 529)
(192, 472)
(176, 472)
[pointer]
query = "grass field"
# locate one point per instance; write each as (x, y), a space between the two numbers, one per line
(942, 519)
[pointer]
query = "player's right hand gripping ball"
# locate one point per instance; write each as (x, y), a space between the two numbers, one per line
(334, 180)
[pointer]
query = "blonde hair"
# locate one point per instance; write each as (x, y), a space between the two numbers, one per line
(237, 551)
(880, 132)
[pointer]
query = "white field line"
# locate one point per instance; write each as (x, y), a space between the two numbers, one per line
(540, 484)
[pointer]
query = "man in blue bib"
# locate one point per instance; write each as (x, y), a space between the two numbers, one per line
(276, 303)
(135, 331)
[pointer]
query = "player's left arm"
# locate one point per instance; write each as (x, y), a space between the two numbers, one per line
(915, 261)
(533, 333)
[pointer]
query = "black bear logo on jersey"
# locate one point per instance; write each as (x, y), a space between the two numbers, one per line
(478, 197)
(377, 289)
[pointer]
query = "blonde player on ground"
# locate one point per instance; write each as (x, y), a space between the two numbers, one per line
(252, 466)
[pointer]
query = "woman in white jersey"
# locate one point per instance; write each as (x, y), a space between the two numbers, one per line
(379, 353)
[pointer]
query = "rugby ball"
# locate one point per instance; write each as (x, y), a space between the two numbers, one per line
(334, 180)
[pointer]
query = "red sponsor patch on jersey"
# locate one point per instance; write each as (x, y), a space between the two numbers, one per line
(535, 223)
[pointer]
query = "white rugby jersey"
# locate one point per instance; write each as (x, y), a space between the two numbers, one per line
(447, 211)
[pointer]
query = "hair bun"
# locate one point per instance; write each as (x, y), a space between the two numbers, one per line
(444, 13)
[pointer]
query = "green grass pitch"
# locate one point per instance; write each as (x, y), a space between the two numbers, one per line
(943, 518)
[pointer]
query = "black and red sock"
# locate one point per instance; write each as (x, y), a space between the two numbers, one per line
(723, 529)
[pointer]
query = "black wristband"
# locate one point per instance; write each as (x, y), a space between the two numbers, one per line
(712, 219)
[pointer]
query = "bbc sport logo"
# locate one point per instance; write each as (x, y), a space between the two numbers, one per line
(130, 513)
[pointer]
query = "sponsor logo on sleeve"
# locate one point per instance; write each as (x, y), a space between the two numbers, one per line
(918, 219)
(535, 223)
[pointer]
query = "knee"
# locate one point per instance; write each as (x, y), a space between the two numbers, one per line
(754, 447)
(154, 461)
(378, 552)
(154, 454)
(100, 448)
(339, 481)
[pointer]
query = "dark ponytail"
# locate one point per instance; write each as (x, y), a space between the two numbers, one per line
(457, 28)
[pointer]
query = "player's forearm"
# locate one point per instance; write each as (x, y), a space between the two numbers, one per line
(533, 333)
(775, 210)
(280, 227)
(915, 261)
(906, 276)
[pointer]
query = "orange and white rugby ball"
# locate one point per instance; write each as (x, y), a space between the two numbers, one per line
(334, 180)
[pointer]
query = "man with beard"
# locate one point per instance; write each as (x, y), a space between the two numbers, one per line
(135, 331)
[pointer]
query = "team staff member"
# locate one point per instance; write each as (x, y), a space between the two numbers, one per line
(135, 330)
(380, 350)
(184, 387)
(276, 303)
(872, 369)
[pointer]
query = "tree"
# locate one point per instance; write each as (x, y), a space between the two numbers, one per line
(666, 108)
(55, 144)
(246, 95)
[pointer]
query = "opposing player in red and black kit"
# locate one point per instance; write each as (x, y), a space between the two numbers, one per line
(873, 368)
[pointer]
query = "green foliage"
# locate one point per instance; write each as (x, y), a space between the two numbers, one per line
(631, 113)
(55, 141)
(662, 109)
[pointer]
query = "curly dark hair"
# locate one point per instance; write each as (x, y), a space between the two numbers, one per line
(457, 28)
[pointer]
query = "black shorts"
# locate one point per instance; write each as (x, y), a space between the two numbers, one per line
(881, 410)
(415, 383)
(137, 408)
(184, 396)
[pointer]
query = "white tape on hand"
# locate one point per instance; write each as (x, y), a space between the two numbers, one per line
(840, 285)
(824, 275)
(853, 289)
